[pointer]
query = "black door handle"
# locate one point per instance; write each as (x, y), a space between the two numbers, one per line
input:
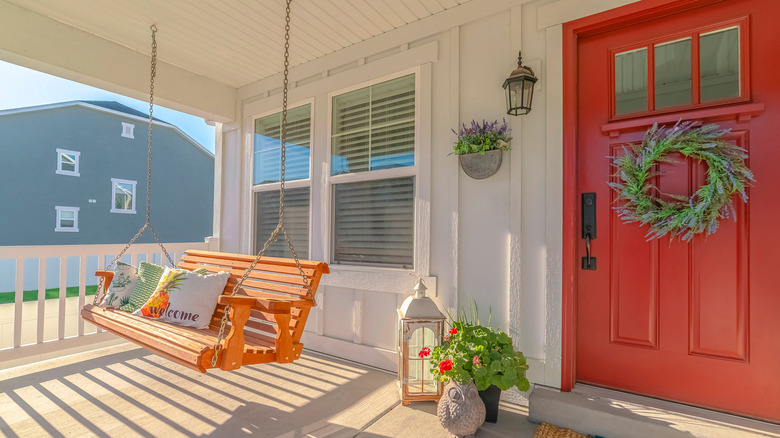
(588, 228)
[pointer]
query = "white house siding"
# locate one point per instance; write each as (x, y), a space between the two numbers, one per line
(497, 241)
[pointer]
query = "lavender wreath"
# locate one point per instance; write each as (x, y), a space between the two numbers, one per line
(727, 174)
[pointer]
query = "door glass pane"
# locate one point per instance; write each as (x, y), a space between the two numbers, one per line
(719, 59)
(631, 82)
(673, 74)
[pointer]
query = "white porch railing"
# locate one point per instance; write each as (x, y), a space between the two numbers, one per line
(35, 329)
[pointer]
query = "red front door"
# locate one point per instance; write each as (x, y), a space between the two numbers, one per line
(696, 322)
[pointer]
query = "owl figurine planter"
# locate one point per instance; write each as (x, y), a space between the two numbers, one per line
(460, 410)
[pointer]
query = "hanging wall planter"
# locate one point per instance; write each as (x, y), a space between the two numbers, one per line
(480, 147)
(481, 166)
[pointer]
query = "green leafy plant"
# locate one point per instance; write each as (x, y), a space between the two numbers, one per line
(480, 138)
(473, 351)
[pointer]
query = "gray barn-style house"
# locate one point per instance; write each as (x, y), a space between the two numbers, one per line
(82, 180)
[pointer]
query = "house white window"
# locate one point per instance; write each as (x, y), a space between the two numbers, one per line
(67, 219)
(122, 196)
(266, 159)
(127, 130)
(373, 171)
(67, 162)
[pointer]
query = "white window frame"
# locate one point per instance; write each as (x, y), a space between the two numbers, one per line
(374, 175)
(58, 216)
(114, 182)
(60, 170)
(128, 130)
(275, 186)
(368, 278)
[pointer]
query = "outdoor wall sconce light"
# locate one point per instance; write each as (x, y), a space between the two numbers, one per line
(519, 88)
(420, 329)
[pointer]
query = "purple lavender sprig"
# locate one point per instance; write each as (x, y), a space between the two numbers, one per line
(481, 137)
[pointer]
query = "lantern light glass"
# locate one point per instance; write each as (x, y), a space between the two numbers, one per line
(519, 88)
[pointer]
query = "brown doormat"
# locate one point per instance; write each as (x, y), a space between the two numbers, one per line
(549, 431)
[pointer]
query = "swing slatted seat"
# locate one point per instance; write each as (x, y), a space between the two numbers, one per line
(272, 296)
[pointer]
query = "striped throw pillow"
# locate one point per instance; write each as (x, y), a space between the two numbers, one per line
(148, 276)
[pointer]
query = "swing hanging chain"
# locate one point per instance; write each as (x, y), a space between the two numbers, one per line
(280, 226)
(152, 75)
(147, 223)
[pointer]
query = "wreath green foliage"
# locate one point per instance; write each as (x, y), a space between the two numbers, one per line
(727, 174)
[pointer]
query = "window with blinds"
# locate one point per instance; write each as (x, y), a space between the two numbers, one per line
(268, 146)
(374, 222)
(373, 127)
(296, 221)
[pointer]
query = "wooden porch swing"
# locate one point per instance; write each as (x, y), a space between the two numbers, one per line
(265, 303)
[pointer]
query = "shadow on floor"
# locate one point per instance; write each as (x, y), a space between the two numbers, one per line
(127, 391)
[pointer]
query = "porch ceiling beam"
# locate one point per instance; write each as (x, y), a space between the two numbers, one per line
(41, 43)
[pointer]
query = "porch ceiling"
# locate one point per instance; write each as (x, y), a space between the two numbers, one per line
(230, 43)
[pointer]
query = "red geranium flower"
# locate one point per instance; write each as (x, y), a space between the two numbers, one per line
(453, 331)
(424, 352)
(445, 365)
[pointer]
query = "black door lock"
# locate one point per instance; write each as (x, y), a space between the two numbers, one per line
(588, 228)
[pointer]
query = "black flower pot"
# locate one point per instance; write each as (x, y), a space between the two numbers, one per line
(490, 396)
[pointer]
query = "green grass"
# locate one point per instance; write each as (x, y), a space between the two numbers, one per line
(51, 294)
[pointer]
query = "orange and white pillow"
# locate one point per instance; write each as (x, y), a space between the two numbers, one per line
(185, 298)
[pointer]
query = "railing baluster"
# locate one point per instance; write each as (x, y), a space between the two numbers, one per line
(18, 299)
(63, 289)
(82, 290)
(41, 297)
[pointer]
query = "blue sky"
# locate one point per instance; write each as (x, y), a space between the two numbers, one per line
(24, 87)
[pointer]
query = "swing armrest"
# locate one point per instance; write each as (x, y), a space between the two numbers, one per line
(267, 305)
(107, 276)
(233, 346)
(240, 307)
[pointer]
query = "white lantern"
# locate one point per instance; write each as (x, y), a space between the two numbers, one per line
(420, 330)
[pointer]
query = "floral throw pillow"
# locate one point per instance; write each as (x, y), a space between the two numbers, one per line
(185, 298)
(125, 278)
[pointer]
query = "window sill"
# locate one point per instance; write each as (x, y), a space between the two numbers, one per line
(67, 172)
(123, 211)
(66, 230)
(374, 279)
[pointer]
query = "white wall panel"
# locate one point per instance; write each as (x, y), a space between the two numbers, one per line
(338, 320)
(380, 320)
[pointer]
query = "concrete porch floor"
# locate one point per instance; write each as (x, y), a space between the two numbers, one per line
(126, 391)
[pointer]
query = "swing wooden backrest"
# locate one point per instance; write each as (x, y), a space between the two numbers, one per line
(267, 315)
